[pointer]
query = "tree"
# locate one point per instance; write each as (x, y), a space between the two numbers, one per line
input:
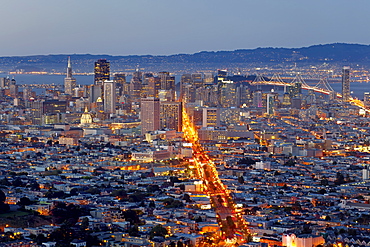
(187, 198)
(120, 194)
(85, 223)
(152, 204)
(158, 230)
(24, 201)
(133, 231)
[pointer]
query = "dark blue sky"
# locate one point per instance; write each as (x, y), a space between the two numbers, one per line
(136, 27)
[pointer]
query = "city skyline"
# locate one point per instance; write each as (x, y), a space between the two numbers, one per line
(164, 27)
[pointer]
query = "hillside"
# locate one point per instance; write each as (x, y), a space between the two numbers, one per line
(338, 54)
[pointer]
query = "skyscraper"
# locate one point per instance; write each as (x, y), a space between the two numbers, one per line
(171, 115)
(270, 104)
(150, 108)
(109, 96)
(346, 93)
(69, 81)
(211, 117)
(101, 71)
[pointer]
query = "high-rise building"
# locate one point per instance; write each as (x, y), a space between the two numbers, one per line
(109, 96)
(101, 71)
(367, 99)
(270, 104)
(227, 92)
(171, 115)
(211, 117)
(69, 81)
(346, 93)
(13, 89)
(197, 80)
(167, 83)
(95, 92)
(257, 98)
(150, 109)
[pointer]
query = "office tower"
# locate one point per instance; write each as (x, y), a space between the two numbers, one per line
(27, 93)
(257, 98)
(171, 115)
(295, 91)
(188, 93)
(150, 108)
(135, 89)
(13, 89)
(346, 93)
(184, 82)
(109, 96)
(95, 93)
(243, 96)
(367, 99)
(270, 104)
(208, 79)
(221, 75)
(2, 82)
(366, 172)
(154, 84)
(54, 107)
(286, 100)
(227, 92)
(69, 81)
(167, 83)
(197, 80)
(211, 117)
(101, 71)
(121, 85)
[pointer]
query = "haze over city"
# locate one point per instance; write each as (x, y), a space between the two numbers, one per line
(121, 27)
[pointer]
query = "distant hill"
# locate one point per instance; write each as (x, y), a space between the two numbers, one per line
(336, 54)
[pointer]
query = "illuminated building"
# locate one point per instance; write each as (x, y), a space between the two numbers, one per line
(227, 92)
(109, 96)
(13, 89)
(95, 93)
(257, 98)
(197, 80)
(150, 109)
(136, 85)
(187, 93)
(243, 97)
(221, 75)
(211, 117)
(208, 79)
(270, 104)
(101, 71)
(167, 83)
(367, 99)
(346, 93)
(121, 85)
(171, 115)
(286, 100)
(69, 81)
(86, 119)
(295, 90)
(154, 84)
(54, 107)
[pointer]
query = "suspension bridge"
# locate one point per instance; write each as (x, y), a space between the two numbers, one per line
(322, 86)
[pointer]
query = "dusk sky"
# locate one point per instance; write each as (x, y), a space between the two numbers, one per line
(163, 27)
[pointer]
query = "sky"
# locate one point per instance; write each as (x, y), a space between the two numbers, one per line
(164, 27)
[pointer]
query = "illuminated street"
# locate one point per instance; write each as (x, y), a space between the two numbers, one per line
(233, 227)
